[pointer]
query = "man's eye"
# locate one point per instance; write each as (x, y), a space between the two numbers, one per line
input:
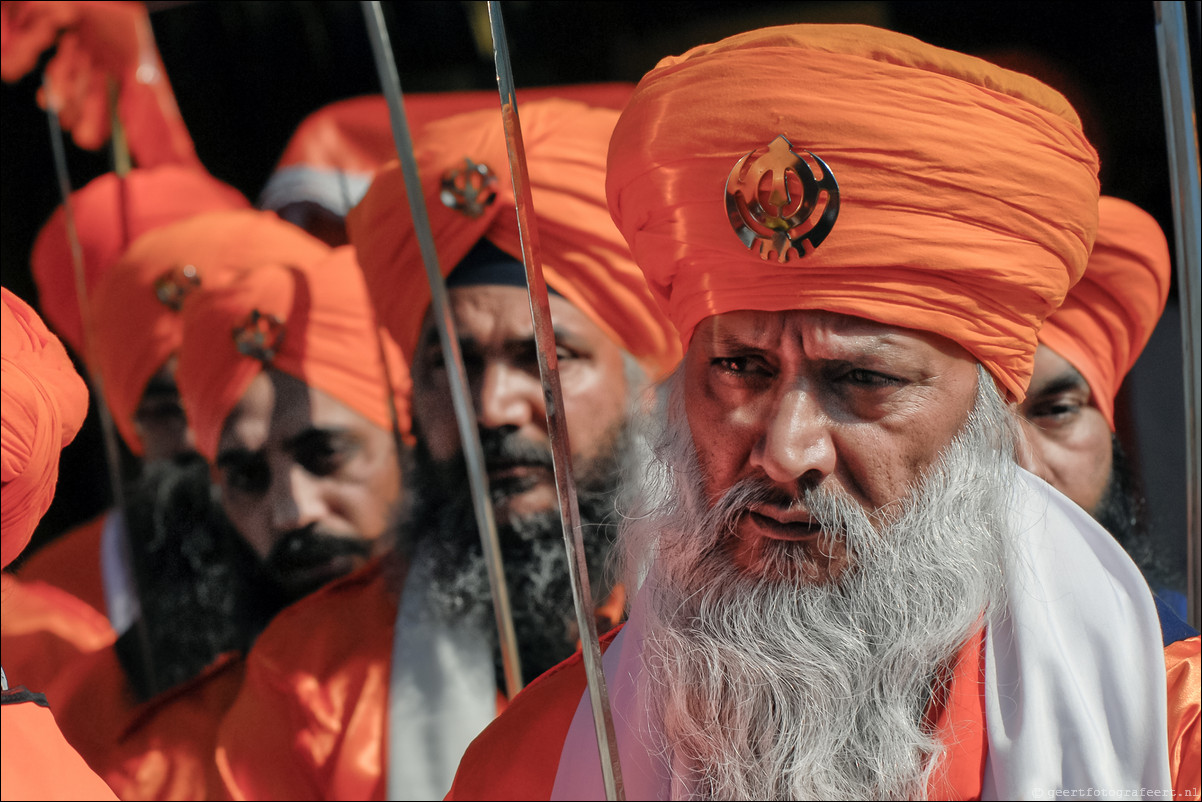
(323, 457)
(869, 379)
(248, 474)
(1055, 412)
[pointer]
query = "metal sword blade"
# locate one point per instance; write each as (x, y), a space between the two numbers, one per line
(548, 365)
(1176, 79)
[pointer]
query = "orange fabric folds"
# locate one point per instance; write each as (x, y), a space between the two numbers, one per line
(44, 403)
(1107, 318)
(312, 321)
(110, 213)
(583, 255)
(967, 193)
(137, 324)
(336, 150)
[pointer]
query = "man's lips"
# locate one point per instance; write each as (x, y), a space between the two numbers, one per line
(783, 524)
(516, 472)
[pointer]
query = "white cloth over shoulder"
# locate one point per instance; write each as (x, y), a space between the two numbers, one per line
(442, 692)
(1075, 682)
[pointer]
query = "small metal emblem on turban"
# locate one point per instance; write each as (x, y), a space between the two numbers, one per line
(470, 188)
(774, 198)
(174, 285)
(259, 336)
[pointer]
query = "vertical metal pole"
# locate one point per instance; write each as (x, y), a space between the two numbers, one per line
(548, 366)
(1176, 83)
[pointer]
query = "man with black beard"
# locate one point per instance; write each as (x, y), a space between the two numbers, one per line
(843, 584)
(372, 687)
(1087, 347)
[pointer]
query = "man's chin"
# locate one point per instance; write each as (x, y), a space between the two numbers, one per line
(299, 581)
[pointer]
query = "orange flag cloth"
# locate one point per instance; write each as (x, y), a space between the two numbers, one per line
(336, 150)
(967, 194)
(312, 321)
(149, 198)
(583, 255)
(1107, 318)
(44, 403)
(137, 324)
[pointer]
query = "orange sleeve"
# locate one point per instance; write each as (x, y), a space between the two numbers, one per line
(36, 762)
(1183, 662)
(310, 720)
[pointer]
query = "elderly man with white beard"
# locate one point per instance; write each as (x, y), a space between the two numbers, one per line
(846, 586)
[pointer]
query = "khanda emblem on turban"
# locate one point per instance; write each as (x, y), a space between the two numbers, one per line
(774, 198)
(174, 285)
(259, 336)
(470, 188)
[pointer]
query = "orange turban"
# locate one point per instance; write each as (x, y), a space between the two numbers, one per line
(150, 198)
(44, 405)
(1107, 318)
(967, 194)
(584, 257)
(336, 150)
(137, 325)
(315, 323)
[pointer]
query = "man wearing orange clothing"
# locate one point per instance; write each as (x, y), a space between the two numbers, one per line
(110, 213)
(843, 584)
(371, 688)
(161, 747)
(1086, 349)
(44, 406)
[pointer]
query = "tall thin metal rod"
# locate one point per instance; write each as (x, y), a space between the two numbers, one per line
(561, 452)
(469, 434)
(1176, 83)
(108, 430)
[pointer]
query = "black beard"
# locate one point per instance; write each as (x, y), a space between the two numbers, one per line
(1122, 513)
(201, 588)
(440, 530)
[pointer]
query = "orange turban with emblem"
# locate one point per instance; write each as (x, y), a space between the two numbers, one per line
(1107, 318)
(137, 324)
(44, 405)
(110, 213)
(312, 321)
(336, 150)
(862, 172)
(467, 190)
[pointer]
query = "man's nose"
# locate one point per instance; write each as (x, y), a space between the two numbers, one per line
(796, 440)
(296, 499)
(509, 397)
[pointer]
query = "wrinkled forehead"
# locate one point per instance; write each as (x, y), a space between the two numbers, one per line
(821, 335)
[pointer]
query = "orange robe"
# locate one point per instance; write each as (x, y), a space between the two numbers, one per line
(518, 755)
(36, 762)
(159, 749)
(311, 720)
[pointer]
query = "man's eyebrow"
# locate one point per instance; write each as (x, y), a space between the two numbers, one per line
(1067, 379)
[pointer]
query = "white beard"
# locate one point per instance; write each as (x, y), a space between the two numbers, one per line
(776, 688)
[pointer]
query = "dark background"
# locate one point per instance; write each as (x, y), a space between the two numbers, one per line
(246, 73)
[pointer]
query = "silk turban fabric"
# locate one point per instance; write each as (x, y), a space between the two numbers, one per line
(336, 150)
(583, 255)
(135, 307)
(110, 213)
(328, 340)
(44, 404)
(968, 193)
(1107, 318)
